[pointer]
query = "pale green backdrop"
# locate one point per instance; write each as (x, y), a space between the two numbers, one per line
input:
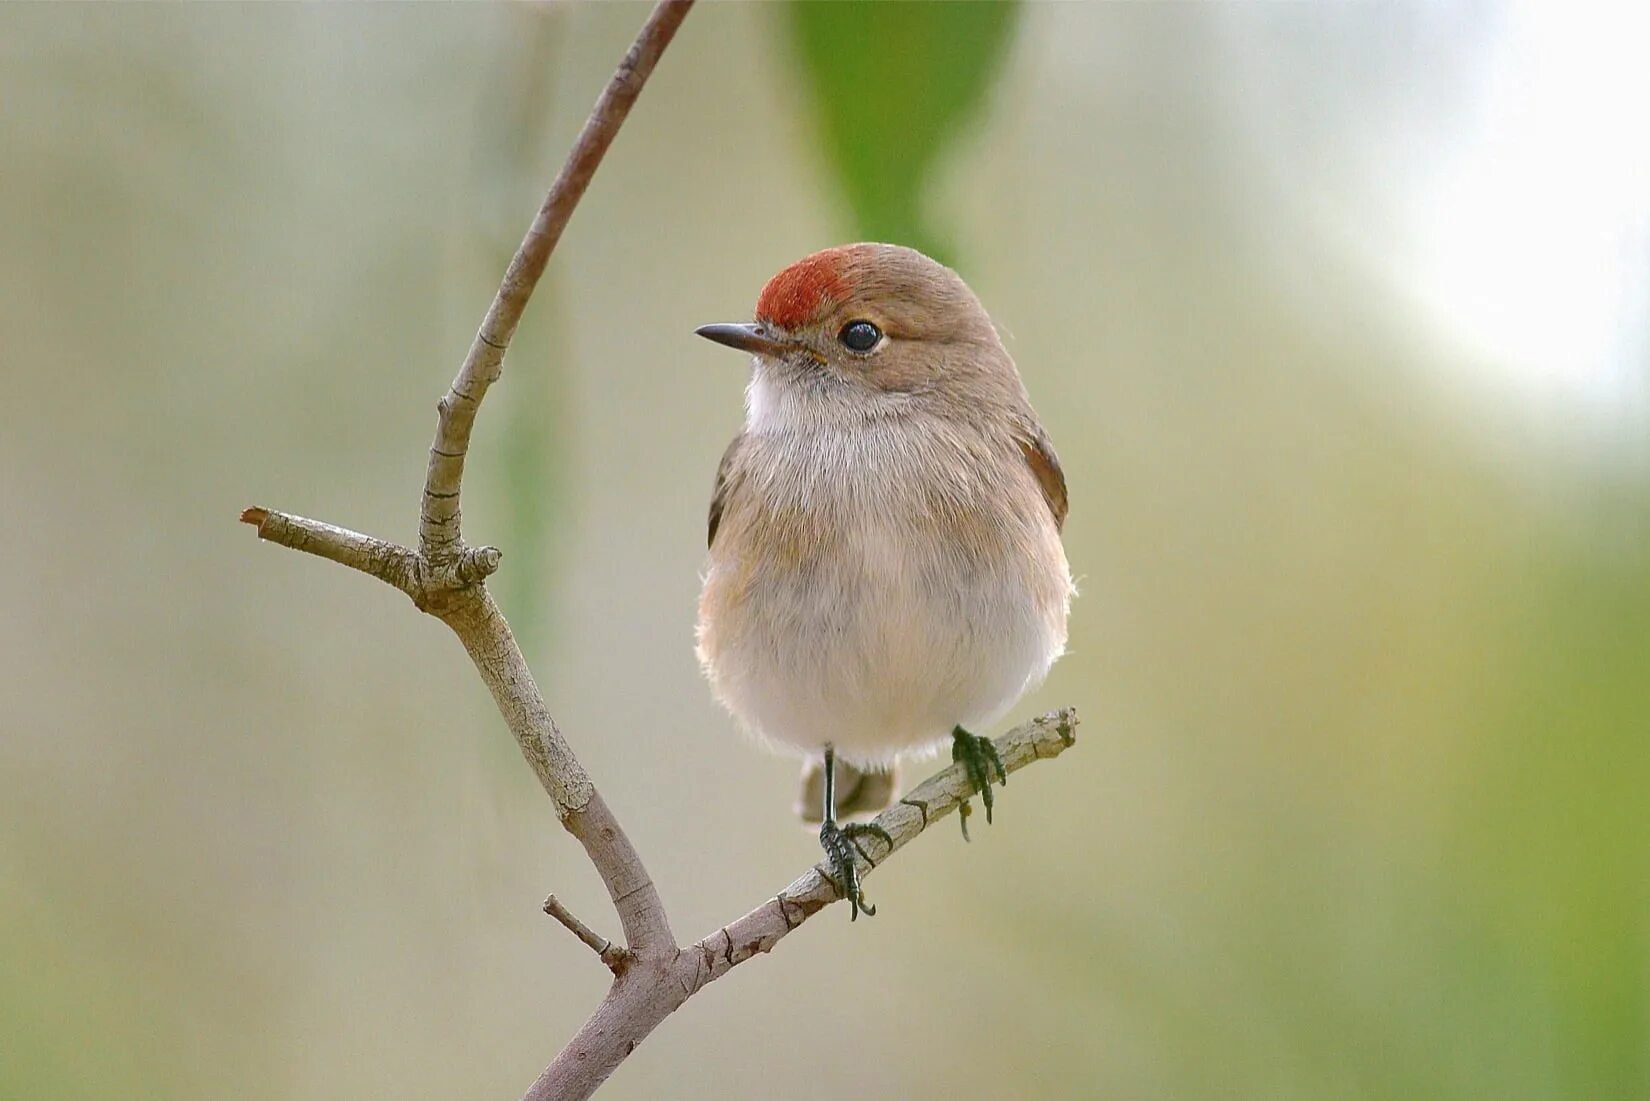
(1339, 319)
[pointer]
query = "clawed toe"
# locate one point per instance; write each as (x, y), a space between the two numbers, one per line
(866, 829)
(838, 843)
(979, 758)
(840, 846)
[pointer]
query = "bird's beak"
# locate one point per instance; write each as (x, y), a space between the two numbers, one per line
(747, 338)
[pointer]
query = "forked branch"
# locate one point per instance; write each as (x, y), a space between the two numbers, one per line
(445, 577)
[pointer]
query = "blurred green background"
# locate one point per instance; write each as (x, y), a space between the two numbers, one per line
(1340, 317)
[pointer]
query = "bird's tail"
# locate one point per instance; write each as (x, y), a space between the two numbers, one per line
(860, 792)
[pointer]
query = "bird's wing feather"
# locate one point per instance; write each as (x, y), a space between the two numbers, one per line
(724, 486)
(1045, 466)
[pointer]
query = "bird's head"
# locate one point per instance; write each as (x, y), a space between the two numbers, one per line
(869, 317)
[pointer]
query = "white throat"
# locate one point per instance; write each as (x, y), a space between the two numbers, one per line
(776, 405)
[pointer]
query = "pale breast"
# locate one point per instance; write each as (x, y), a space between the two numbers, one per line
(875, 589)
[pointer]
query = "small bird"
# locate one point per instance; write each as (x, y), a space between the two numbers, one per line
(886, 571)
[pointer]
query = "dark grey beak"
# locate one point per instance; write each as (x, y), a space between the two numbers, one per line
(747, 338)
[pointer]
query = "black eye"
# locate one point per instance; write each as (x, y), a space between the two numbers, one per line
(859, 336)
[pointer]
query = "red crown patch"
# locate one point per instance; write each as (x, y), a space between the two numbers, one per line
(797, 295)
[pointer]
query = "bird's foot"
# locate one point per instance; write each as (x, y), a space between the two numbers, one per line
(980, 758)
(839, 846)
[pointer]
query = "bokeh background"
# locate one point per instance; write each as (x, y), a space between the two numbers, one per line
(1340, 317)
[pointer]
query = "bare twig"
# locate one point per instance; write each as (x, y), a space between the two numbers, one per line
(611, 954)
(758, 931)
(444, 576)
(438, 525)
(653, 976)
(389, 562)
(653, 987)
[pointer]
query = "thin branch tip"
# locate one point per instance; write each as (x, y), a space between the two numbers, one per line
(613, 955)
(439, 529)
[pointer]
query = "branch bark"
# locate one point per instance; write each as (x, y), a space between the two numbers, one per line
(446, 578)
(653, 988)
(613, 955)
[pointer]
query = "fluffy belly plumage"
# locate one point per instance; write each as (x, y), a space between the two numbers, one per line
(881, 641)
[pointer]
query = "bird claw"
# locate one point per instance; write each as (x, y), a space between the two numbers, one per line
(838, 843)
(979, 758)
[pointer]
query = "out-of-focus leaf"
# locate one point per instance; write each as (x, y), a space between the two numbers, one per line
(892, 84)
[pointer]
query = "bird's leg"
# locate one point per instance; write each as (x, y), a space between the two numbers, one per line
(979, 757)
(838, 843)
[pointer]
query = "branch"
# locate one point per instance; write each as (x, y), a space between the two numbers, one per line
(444, 577)
(651, 988)
(758, 931)
(447, 579)
(438, 524)
(611, 954)
(389, 562)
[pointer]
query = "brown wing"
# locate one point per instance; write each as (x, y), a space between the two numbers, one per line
(1045, 465)
(719, 495)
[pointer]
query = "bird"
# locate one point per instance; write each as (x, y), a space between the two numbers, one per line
(886, 572)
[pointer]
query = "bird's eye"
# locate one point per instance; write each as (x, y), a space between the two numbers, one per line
(859, 336)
